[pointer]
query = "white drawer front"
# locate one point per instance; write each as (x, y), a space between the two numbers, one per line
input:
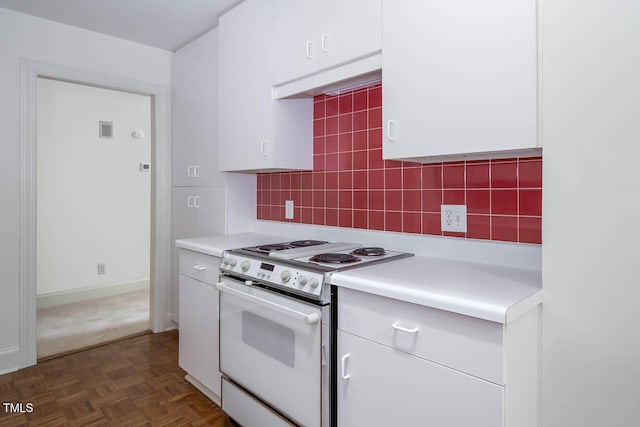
(246, 410)
(199, 266)
(460, 342)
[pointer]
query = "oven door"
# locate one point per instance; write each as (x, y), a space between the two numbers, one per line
(270, 345)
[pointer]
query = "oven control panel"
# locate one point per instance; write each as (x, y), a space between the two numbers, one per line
(284, 276)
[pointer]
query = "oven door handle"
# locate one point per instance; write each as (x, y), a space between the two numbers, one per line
(308, 319)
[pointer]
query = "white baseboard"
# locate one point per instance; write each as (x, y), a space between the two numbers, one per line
(9, 360)
(171, 324)
(85, 294)
(204, 390)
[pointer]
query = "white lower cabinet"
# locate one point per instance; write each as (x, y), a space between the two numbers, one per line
(382, 386)
(403, 364)
(199, 343)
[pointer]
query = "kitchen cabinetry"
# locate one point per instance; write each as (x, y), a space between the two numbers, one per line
(194, 157)
(199, 344)
(409, 391)
(257, 132)
(196, 211)
(194, 98)
(198, 194)
(460, 79)
(313, 35)
(432, 367)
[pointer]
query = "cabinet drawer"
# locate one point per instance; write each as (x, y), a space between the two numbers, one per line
(464, 343)
(205, 268)
(246, 410)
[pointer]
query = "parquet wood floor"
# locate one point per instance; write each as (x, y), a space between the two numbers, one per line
(134, 382)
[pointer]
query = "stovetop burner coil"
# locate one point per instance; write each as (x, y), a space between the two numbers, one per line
(369, 251)
(305, 243)
(334, 258)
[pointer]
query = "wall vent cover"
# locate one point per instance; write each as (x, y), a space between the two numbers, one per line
(106, 130)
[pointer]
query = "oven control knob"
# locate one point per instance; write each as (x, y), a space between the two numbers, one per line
(233, 261)
(285, 275)
(313, 282)
(302, 280)
(245, 265)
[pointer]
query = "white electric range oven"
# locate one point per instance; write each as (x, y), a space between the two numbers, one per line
(278, 330)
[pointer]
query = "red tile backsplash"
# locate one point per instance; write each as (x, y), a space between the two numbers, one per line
(352, 186)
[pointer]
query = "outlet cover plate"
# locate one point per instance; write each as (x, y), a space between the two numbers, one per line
(102, 268)
(454, 218)
(288, 209)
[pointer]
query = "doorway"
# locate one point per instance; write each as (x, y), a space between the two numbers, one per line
(93, 197)
(160, 182)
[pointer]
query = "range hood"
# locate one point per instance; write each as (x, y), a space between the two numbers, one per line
(363, 72)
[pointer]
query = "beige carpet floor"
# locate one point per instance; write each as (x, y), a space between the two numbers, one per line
(72, 326)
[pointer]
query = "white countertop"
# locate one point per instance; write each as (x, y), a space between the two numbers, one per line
(486, 291)
(494, 293)
(214, 245)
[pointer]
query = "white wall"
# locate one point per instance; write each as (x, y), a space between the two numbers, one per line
(93, 202)
(591, 218)
(23, 36)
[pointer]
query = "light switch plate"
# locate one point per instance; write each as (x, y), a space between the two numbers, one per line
(288, 209)
(453, 218)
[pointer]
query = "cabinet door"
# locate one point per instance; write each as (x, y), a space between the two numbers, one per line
(194, 110)
(349, 29)
(198, 352)
(296, 47)
(187, 220)
(245, 99)
(386, 387)
(183, 156)
(460, 76)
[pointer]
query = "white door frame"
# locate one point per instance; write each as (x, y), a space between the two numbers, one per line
(160, 192)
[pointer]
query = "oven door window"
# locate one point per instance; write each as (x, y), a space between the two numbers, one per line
(271, 338)
(271, 353)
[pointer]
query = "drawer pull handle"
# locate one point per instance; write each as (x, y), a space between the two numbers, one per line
(403, 329)
(200, 267)
(344, 363)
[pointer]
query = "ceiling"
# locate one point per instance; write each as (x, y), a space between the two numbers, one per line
(166, 24)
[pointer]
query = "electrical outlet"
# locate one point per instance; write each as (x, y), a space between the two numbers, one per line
(102, 268)
(453, 218)
(288, 209)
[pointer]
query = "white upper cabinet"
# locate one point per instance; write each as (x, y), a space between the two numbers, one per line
(256, 132)
(349, 29)
(295, 39)
(313, 35)
(459, 79)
